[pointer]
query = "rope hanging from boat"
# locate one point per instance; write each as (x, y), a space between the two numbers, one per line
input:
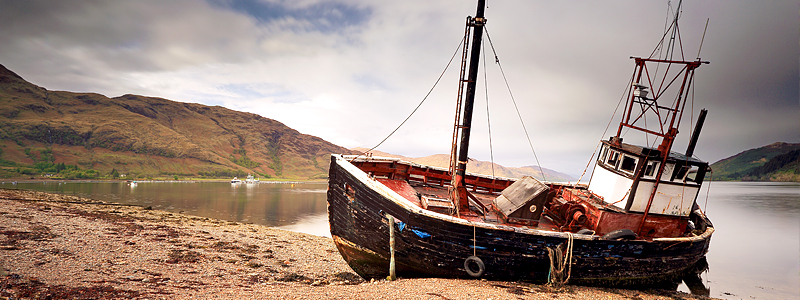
(474, 241)
(418, 105)
(559, 259)
(705, 206)
(497, 61)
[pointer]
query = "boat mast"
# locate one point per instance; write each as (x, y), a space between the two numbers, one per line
(668, 118)
(458, 191)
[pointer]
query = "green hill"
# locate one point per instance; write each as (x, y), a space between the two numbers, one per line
(72, 134)
(774, 162)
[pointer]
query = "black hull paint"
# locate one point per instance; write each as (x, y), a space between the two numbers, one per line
(435, 246)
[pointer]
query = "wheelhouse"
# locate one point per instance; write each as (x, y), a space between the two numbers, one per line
(625, 176)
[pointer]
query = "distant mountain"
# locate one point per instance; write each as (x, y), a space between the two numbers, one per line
(44, 131)
(774, 162)
(480, 167)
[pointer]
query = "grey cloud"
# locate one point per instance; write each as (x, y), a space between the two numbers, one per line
(359, 67)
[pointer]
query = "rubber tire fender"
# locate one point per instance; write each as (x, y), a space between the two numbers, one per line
(477, 261)
(619, 234)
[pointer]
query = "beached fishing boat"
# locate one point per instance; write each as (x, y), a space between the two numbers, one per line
(635, 223)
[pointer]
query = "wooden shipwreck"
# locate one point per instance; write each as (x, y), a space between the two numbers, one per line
(636, 221)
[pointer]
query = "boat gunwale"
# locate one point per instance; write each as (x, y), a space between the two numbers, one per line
(413, 208)
(350, 158)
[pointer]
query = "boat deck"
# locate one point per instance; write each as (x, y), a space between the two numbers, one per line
(436, 198)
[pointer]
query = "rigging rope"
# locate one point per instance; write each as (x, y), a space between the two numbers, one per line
(420, 103)
(488, 122)
(497, 61)
(474, 241)
(705, 206)
(627, 90)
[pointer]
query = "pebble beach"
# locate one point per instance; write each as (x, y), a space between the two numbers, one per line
(64, 247)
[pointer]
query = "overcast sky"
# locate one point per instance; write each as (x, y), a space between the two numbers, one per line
(350, 71)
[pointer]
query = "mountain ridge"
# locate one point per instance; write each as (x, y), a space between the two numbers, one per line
(480, 167)
(149, 136)
(778, 161)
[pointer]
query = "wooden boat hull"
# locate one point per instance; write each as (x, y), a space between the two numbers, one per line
(429, 244)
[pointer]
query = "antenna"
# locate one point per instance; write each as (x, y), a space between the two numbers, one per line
(702, 39)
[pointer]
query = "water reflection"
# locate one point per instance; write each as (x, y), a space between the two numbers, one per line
(755, 248)
(272, 204)
(694, 280)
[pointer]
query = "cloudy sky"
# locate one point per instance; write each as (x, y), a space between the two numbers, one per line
(350, 71)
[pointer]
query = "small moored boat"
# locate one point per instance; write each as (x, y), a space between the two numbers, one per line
(636, 222)
(250, 179)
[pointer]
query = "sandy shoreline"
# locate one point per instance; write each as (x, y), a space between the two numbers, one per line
(56, 246)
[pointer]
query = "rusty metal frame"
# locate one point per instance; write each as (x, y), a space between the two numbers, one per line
(673, 113)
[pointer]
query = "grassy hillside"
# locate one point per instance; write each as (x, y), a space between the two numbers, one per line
(41, 130)
(774, 162)
(481, 167)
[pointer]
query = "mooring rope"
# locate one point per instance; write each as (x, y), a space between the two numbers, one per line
(474, 241)
(707, 191)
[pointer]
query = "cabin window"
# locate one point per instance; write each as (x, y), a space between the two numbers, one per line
(691, 176)
(650, 169)
(628, 164)
(603, 154)
(680, 174)
(667, 172)
(613, 159)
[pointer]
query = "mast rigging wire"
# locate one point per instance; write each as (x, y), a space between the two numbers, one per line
(488, 120)
(497, 61)
(626, 91)
(420, 103)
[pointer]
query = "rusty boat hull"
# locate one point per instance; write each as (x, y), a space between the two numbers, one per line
(432, 244)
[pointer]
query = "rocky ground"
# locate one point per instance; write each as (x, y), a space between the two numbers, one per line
(64, 247)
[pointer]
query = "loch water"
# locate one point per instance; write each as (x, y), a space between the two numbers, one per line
(754, 252)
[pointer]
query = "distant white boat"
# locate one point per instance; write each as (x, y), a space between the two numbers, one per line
(250, 179)
(236, 180)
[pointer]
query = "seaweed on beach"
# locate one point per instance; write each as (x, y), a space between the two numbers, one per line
(348, 278)
(37, 233)
(183, 256)
(219, 246)
(294, 277)
(15, 287)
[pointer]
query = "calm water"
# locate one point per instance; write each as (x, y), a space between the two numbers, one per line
(754, 254)
(294, 206)
(755, 251)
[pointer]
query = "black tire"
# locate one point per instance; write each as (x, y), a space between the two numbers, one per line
(586, 231)
(474, 261)
(619, 234)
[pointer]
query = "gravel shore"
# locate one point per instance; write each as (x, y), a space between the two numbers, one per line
(64, 247)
